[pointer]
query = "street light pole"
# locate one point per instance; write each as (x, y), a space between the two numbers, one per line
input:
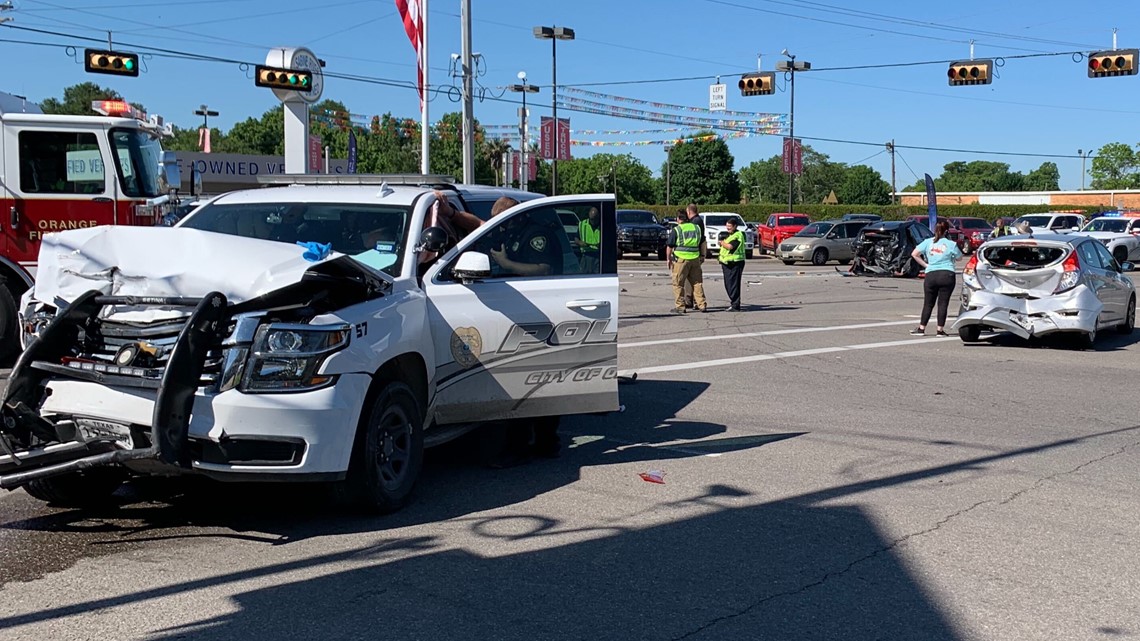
(1084, 156)
(205, 112)
(524, 167)
(554, 34)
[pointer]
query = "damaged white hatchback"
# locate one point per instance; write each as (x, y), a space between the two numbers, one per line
(314, 332)
(1044, 284)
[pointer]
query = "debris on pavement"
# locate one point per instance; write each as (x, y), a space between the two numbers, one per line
(653, 476)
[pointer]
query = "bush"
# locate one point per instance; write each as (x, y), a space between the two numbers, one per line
(759, 212)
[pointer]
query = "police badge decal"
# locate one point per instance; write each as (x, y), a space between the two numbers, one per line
(466, 346)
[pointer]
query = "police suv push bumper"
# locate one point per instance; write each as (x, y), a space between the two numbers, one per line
(71, 444)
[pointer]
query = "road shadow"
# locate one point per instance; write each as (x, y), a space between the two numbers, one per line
(1107, 340)
(456, 481)
(781, 570)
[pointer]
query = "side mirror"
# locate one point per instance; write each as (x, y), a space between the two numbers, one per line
(1127, 267)
(472, 266)
(171, 175)
(433, 239)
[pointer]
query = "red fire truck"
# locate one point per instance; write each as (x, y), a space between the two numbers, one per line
(66, 172)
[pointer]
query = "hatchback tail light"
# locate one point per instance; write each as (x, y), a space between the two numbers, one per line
(1071, 274)
(970, 275)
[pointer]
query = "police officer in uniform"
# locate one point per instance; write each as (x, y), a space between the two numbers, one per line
(683, 255)
(527, 249)
(731, 259)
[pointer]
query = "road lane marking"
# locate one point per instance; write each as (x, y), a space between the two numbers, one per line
(778, 355)
(773, 332)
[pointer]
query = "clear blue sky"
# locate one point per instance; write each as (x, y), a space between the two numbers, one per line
(1043, 105)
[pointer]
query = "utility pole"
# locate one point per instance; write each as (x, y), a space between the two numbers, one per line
(204, 134)
(468, 100)
(1084, 156)
(891, 150)
(613, 171)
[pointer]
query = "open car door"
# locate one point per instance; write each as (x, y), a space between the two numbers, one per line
(523, 324)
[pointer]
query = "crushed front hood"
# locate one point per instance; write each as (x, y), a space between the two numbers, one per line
(164, 261)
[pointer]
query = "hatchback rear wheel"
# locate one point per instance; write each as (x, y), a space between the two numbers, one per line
(1129, 317)
(970, 333)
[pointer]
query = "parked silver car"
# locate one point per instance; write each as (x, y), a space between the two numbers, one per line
(1041, 284)
(822, 241)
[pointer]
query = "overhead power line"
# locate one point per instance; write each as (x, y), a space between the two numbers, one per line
(185, 55)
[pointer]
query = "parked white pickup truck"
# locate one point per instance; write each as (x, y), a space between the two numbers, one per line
(311, 332)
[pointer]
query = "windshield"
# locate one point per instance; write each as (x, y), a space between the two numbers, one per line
(371, 234)
(138, 156)
(815, 230)
(1021, 257)
(1118, 225)
(636, 218)
(973, 223)
(719, 220)
(1034, 221)
(785, 221)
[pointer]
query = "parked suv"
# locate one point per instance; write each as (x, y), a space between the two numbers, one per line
(716, 230)
(640, 232)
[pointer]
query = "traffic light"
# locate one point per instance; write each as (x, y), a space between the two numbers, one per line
(970, 72)
(1121, 62)
(111, 62)
(762, 83)
(290, 79)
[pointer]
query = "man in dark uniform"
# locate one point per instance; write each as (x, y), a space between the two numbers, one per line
(732, 252)
(527, 249)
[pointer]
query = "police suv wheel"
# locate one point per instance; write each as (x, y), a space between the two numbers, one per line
(389, 450)
(91, 488)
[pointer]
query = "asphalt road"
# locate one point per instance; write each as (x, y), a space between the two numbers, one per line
(826, 476)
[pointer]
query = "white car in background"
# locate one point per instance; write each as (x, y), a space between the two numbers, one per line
(1052, 222)
(1119, 232)
(716, 230)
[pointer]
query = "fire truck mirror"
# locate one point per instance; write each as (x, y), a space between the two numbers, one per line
(171, 172)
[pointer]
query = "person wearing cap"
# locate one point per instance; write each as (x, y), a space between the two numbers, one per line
(1024, 228)
(732, 263)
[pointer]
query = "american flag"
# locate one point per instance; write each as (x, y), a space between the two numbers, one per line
(411, 12)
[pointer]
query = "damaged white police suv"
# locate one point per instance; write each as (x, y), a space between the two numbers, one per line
(309, 332)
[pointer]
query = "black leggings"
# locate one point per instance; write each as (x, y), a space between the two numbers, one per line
(940, 285)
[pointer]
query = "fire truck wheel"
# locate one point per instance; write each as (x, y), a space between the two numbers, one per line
(389, 450)
(90, 488)
(9, 325)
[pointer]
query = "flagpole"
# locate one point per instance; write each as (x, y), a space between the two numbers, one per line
(425, 130)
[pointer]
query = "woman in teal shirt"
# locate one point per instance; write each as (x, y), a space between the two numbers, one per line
(937, 256)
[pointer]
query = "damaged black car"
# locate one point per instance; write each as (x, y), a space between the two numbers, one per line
(884, 249)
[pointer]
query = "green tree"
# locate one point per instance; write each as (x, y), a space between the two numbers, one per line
(703, 172)
(492, 150)
(257, 136)
(597, 173)
(820, 177)
(863, 185)
(976, 175)
(77, 99)
(764, 181)
(1115, 167)
(1047, 177)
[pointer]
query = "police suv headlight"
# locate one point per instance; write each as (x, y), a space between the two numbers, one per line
(287, 357)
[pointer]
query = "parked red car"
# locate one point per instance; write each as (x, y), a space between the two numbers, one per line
(778, 227)
(976, 231)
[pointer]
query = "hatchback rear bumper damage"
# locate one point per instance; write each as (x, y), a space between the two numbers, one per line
(1027, 317)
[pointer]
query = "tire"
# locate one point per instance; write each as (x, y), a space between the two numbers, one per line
(751, 253)
(645, 254)
(819, 256)
(789, 262)
(389, 450)
(92, 488)
(1129, 318)
(9, 325)
(1085, 340)
(970, 333)
(661, 254)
